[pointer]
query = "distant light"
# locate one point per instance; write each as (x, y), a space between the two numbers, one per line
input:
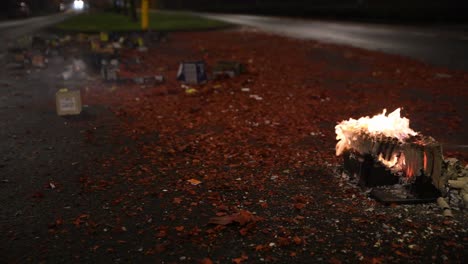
(78, 5)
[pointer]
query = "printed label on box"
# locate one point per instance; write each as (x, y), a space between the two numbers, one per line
(67, 104)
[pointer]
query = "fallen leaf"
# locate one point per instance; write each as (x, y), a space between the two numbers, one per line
(297, 240)
(242, 218)
(299, 206)
(194, 181)
(334, 261)
(206, 261)
(240, 259)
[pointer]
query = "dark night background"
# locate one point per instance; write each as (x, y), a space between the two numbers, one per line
(38, 7)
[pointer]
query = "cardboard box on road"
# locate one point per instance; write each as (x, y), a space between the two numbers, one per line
(68, 102)
(192, 72)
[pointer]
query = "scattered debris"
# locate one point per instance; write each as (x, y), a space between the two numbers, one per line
(445, 207)
(443, 76)
(256, 97)
(457, 182)
(191, 91)
(228, 69)
(149, 79)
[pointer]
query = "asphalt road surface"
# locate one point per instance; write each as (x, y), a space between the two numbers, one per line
(445, 46)
(10, 30)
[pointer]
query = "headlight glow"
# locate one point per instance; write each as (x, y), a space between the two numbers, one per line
(78, 5)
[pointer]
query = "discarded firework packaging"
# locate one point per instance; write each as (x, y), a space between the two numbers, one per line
(17, 60)
(134, 41)
(110, 69)
(384, 151)
(95, 44)
(140, 42)
(149, 80)
(82, 38)
(116, 45)
(24, 42)
(68, 102)
(129, 63)
(38, 43)
(192, 72)
(104, 37)
(142, 49)
(38, 61)
(228, 68)
(19, 57)
(96, 56)
(99, 46)
(107, 49)
(155, 37)
(65, 39)
(111, 36)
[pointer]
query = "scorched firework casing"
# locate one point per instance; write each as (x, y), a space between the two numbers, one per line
(418, 156)
(396, 154)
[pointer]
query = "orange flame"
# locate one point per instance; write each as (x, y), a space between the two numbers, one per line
(425, 161)
(389, 163)
(392, 125)
(409, 172)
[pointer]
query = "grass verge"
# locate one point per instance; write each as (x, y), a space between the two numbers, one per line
(159, 21)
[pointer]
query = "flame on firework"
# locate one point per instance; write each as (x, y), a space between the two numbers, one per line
(391, 125)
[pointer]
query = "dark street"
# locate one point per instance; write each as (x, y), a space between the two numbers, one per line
(439, 45)
(11, 30)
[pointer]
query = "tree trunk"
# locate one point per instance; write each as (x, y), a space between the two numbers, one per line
(133, 10)
(117, 6)
(126, 7)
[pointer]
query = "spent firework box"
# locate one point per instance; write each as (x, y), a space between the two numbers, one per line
(68, 102)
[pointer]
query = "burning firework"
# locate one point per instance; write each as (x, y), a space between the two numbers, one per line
(384, 150)
(392, 126)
